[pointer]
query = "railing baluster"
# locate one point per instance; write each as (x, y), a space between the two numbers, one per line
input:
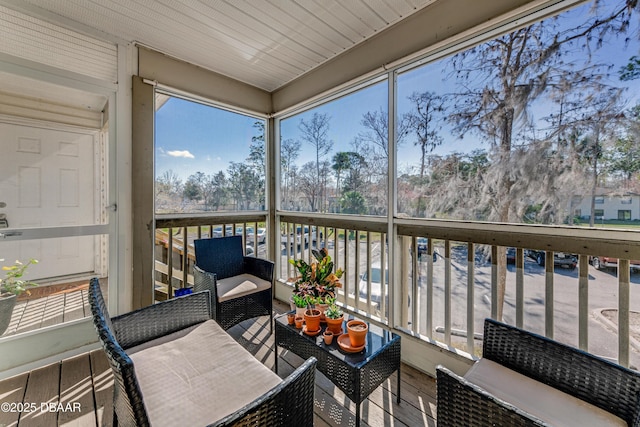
(356, 293)
(170, 264)
(583, 302)
(346, 257)
(383, 280)
(429, 319)
(519, 287)
(494, 282)
(415, 273)
(185, 257)
(623, 311)
(548, 294)
(382, 294)
(447, 292)
(470, 297)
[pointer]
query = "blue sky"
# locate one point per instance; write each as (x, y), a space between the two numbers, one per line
(191, 137)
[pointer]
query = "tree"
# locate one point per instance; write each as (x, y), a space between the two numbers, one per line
(315, 132)
(243, 185)
(624, 156)
(289, 152)
(376, 133)
(169, 183)
(500, 79)
(194, 186)
(257, 158)
(309, 185)
(353, 202)
(215, 191)
(423, 120)
(340, 164)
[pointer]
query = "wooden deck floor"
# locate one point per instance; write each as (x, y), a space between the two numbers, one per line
(78, 391)
(51, 305)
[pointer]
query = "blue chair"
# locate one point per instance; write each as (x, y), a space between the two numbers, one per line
(240, 286)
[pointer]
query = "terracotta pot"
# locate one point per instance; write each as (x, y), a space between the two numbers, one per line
(312, 319)
(291, 318)
(322, 308)
(357, 331)
(335, 325)
(328, 337)
(298, 321)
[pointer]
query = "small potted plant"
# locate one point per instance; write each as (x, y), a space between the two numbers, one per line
(334, 317)
(300, 302)
(11, 287)
(312, 319)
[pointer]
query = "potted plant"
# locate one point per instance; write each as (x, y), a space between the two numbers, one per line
(316, 281)
(357, 330)
(11, 286)
(300, 303)
(312, 320)
(334, 317)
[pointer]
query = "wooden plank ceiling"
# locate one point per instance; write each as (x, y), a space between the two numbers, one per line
(265, 43)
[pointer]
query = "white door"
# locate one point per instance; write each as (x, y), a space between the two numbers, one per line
(48, 179)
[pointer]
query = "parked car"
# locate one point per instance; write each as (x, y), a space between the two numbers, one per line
(603, 262)
(511, 255)
(261, 236)
(300, 237)
(559, 258)
(217, 231)
(376, 285)
(422, 243)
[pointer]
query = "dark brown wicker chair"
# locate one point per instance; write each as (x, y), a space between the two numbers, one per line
(233, 280)
(290, 403)
(606, 385)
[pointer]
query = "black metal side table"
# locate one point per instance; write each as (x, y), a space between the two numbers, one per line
(356, 374)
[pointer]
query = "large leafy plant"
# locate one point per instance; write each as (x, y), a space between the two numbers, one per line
(317, 281)
(13, 283)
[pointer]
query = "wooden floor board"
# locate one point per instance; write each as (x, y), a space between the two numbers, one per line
(102, 380)
(87, 379)
(76, 407)
(12, 392)
(43, 387)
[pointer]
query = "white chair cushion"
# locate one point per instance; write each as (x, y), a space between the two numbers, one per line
(241, 285)
(547, 403)
(197, 376)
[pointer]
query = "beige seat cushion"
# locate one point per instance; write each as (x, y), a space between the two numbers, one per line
(198, 376)
(241, 285)
(545, 402)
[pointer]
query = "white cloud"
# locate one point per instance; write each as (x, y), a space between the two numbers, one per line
(185, 153)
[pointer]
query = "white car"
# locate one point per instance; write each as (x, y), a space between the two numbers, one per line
(261, 235)
(376, 285)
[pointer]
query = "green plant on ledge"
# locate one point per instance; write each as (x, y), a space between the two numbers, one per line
(13, 282)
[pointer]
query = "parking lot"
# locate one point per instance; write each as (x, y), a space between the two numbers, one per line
(603, 298)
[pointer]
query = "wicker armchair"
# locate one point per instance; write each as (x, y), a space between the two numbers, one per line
(604, 385)
(289, 403)
(240, 286)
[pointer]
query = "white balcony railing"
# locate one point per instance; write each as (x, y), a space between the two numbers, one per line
(444, 292)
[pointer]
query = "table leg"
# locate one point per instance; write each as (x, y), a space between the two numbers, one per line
(275, 362)
(358, 415)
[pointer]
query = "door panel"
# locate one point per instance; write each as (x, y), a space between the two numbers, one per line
(48, 179)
